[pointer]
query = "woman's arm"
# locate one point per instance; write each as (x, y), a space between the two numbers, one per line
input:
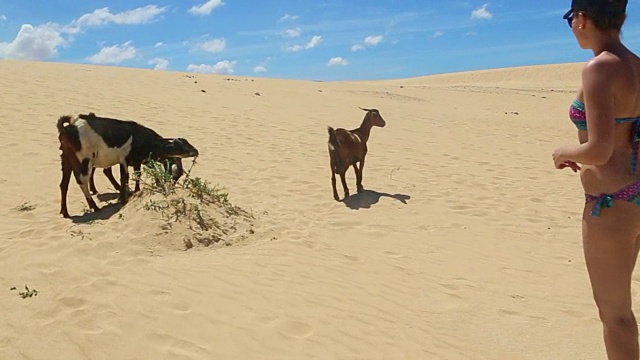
(597, 86)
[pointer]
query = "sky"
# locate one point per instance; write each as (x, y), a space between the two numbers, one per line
(326, 40)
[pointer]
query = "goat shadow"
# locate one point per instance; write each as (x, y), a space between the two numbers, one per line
(367, 198)
(105, 213)
(108, 196)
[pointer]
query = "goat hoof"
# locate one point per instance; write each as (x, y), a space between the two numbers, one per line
(360, 189)
(65, 214)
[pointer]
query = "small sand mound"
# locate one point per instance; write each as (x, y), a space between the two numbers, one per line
(191, 213)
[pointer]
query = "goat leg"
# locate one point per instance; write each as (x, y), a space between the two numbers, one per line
(84, 185)
(64, 187)
(83, 176)
(333, 184)
(137, 174)
(344, 183)
(92, 184)
(359, 176)
(176, 169)
(109, 174)
(124, 182)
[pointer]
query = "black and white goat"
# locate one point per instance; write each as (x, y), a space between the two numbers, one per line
(88, 141)
(349, 147)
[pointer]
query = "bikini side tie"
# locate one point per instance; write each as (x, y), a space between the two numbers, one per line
(604, 201)
(636, 147)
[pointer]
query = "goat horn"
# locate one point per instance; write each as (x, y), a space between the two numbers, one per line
(367, 110)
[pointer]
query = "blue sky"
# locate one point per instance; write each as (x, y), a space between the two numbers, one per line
(314, 40)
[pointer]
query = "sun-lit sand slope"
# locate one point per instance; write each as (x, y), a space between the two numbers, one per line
(466, 244)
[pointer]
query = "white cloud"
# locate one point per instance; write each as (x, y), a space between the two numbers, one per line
(3, 17)
(373, 40)
(317, 39)
(33, 43)
(103, 16)
(114, 54)
(368, 41)
(292, 33)
(158, 44)
(206, 8)
(213, 46)
(221, 67)
(314, 42)
(160, 63)
(437, 34)
(288, 17)
(482, 13)
(295, 48)
(337, 61)
(259, 69)
(43, 41)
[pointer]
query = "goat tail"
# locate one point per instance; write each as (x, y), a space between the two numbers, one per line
(333, 139)
(66, 119)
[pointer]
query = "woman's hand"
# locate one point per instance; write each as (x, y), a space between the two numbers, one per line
(561, 162)
(569, 164)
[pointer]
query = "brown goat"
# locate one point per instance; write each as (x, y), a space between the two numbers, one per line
(349, 147)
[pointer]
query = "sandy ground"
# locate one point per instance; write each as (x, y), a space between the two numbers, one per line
(466, 244)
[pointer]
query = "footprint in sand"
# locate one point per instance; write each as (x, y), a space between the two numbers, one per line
(351, 257)
(308, 244)
(393, 255)
(167, 299)
(451, 287)
(403, 258)
(266, 320)
(408, 271)
(539, 319)
(510, 312)
(295, 329)
(574, 313)
(180, 306)
(72, 302)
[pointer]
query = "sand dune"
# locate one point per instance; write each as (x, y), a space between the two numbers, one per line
(466, 244)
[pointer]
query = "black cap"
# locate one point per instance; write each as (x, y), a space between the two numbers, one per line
(611, 7)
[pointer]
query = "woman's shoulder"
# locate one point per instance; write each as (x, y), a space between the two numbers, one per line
(603, 61)
(606, 65)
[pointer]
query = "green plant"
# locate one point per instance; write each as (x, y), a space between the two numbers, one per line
(27, 293)
(25, 206)
(157, 178)
(204, 208)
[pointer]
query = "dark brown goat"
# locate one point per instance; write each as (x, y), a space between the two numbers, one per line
(349, 147)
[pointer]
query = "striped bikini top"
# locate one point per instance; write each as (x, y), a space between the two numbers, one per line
(579, 118)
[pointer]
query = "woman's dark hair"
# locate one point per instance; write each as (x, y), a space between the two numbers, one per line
(607, 21)
(605, 14)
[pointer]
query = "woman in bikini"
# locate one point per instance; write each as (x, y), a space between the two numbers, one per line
(607, 115)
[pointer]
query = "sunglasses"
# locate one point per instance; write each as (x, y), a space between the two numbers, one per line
(569, 17)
